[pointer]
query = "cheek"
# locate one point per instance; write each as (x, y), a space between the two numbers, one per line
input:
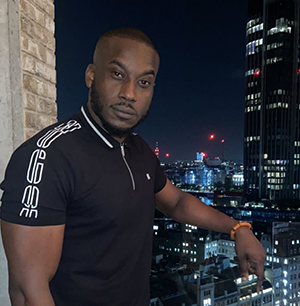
(144, 108)
(146, 101)
(106, 93)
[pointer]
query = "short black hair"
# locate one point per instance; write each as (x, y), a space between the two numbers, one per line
(130, 33)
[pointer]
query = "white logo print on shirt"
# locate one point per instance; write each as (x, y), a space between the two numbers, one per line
(36, 166)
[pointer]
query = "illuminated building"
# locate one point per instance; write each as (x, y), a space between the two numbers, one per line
(198, 175)
(238, 179)
(219, 246)
(156, 150)
(284, 264)
(224, 287)
(272, 109)
(200, 156)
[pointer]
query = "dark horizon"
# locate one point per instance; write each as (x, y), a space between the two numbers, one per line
(200, 87)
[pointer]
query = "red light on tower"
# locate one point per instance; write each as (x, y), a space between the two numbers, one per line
(211, 136)
(167, 155)
(223, 141)
(203, 154)
(257, 72)
(156, 150)
(298, 70)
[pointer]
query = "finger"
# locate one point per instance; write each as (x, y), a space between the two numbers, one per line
(244, 269)
(258, 285)
(260, 277)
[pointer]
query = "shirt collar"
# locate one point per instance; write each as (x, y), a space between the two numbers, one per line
(104, 136)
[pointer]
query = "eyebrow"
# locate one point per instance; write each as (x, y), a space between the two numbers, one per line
(121, 65)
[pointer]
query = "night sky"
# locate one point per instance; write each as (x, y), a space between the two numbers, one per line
(200, 85)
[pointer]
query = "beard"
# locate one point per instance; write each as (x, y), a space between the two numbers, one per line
(97, 107)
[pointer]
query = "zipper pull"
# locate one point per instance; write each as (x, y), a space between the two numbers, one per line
(122, 149)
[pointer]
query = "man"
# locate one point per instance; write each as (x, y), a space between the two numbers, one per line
(79, 197)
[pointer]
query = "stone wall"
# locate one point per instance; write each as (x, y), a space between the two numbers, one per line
(27, 82)
(38, 64)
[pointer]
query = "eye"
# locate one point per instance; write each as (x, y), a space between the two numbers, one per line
(117, 75)
(144, 83)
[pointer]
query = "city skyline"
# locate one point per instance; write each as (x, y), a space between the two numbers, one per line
(201, 85)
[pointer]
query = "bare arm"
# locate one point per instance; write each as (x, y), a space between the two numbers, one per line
(33, 255)
(186, 208)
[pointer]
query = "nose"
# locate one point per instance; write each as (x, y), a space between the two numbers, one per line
(128, 91)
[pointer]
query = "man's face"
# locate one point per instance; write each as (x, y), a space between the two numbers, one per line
(121, 83)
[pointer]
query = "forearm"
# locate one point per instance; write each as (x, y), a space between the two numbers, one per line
(192, 211)
(26, 296)
(186, 208)
(249, 251)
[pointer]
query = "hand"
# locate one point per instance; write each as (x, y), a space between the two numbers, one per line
(251, 255)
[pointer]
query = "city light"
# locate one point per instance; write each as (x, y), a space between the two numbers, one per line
(257, 72)
(211, 136)
(156, 150)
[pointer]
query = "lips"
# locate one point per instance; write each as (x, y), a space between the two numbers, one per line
(123, 112)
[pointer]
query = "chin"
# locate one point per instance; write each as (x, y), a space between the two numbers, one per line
(124, 125)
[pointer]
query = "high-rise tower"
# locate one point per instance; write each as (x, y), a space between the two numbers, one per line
(272, 137)
(156, 150)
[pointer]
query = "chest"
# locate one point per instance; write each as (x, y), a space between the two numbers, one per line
(115, 187)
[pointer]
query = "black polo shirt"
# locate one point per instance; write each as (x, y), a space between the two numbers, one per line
(74, 173)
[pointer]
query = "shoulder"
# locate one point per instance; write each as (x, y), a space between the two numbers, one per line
(54, 135)
(48, 144)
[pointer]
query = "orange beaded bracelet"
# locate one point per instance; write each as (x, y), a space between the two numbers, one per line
(237, 226)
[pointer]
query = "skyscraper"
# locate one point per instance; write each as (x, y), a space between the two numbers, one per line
(272, 114)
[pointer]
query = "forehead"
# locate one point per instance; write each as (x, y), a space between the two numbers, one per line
(133, 53)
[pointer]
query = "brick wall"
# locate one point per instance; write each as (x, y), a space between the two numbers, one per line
(38, 64)
(27, 83)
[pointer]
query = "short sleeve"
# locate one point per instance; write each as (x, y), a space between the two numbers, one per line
(37, 187)
(160, 177)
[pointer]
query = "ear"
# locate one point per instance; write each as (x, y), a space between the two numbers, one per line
(89, 75)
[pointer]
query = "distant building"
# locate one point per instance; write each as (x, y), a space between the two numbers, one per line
(200, 156)
(199, 173)
(284, 264)
(156, 150)
(220, 285)
(178, 242)
(176, 171)
(219, 245)
(167, 241)
(238, 179)
(272, 108)
(216, 283)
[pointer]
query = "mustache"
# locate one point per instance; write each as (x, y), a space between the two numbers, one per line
(129, 105)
